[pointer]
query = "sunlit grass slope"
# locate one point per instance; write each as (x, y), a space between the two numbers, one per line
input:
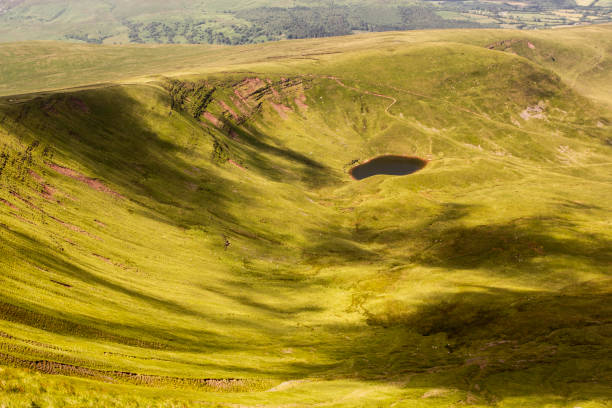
(580, 55)
(196, 239)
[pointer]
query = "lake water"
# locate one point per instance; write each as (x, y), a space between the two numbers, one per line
(389, 165)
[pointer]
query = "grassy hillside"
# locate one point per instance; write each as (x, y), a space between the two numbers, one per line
(581, 56)
(244, 22)
(189, 235)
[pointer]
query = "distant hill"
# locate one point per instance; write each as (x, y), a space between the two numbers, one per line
(236, 22)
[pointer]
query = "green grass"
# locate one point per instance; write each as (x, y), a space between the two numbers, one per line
(231, 260)
(581, 59)
(239, 22)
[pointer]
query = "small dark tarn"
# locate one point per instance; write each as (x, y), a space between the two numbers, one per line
(390, 165)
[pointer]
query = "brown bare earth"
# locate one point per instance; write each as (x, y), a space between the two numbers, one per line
(105, 259)
(54, 324)
(281, 109)
(533, 112)
(63, 223)
(8, 204)
(18, 196)
(236, 164)
(78, 105)
(36, 176)
(47, 191)
(234, 135)
(241, 98)
(212, 119)
(240, 104)
(91, 182)
(253, 84)
(52, 367)
(74, 228)
(229, 110)
(100, 223)
(300, 102)
(251, 93)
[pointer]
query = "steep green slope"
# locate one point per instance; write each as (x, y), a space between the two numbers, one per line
(201, 233)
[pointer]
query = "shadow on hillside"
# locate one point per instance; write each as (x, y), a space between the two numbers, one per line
(480, 335)
(442, 241)
(545, 343)
(107, 134)
(253, 143)
(340, 244)
(515, 244)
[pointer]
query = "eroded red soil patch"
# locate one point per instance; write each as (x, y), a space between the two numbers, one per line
(105, 259)
(236, 164)
(300, 102)
(78, 104)
(281, 109)
(229, 110)
(52, 367)
(249, 88)
(240, 104)
(253, 84)
(91, 182)
(234, 135)
(19, 197)
(243, 102)
(8, 204)
(212, 119)
(36, 176)
(74, 228)
(111, 262)
(47, 191)
(49, 107)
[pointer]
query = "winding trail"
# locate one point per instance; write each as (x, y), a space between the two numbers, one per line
(393, 100)
(598, 59)
(458, 108)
